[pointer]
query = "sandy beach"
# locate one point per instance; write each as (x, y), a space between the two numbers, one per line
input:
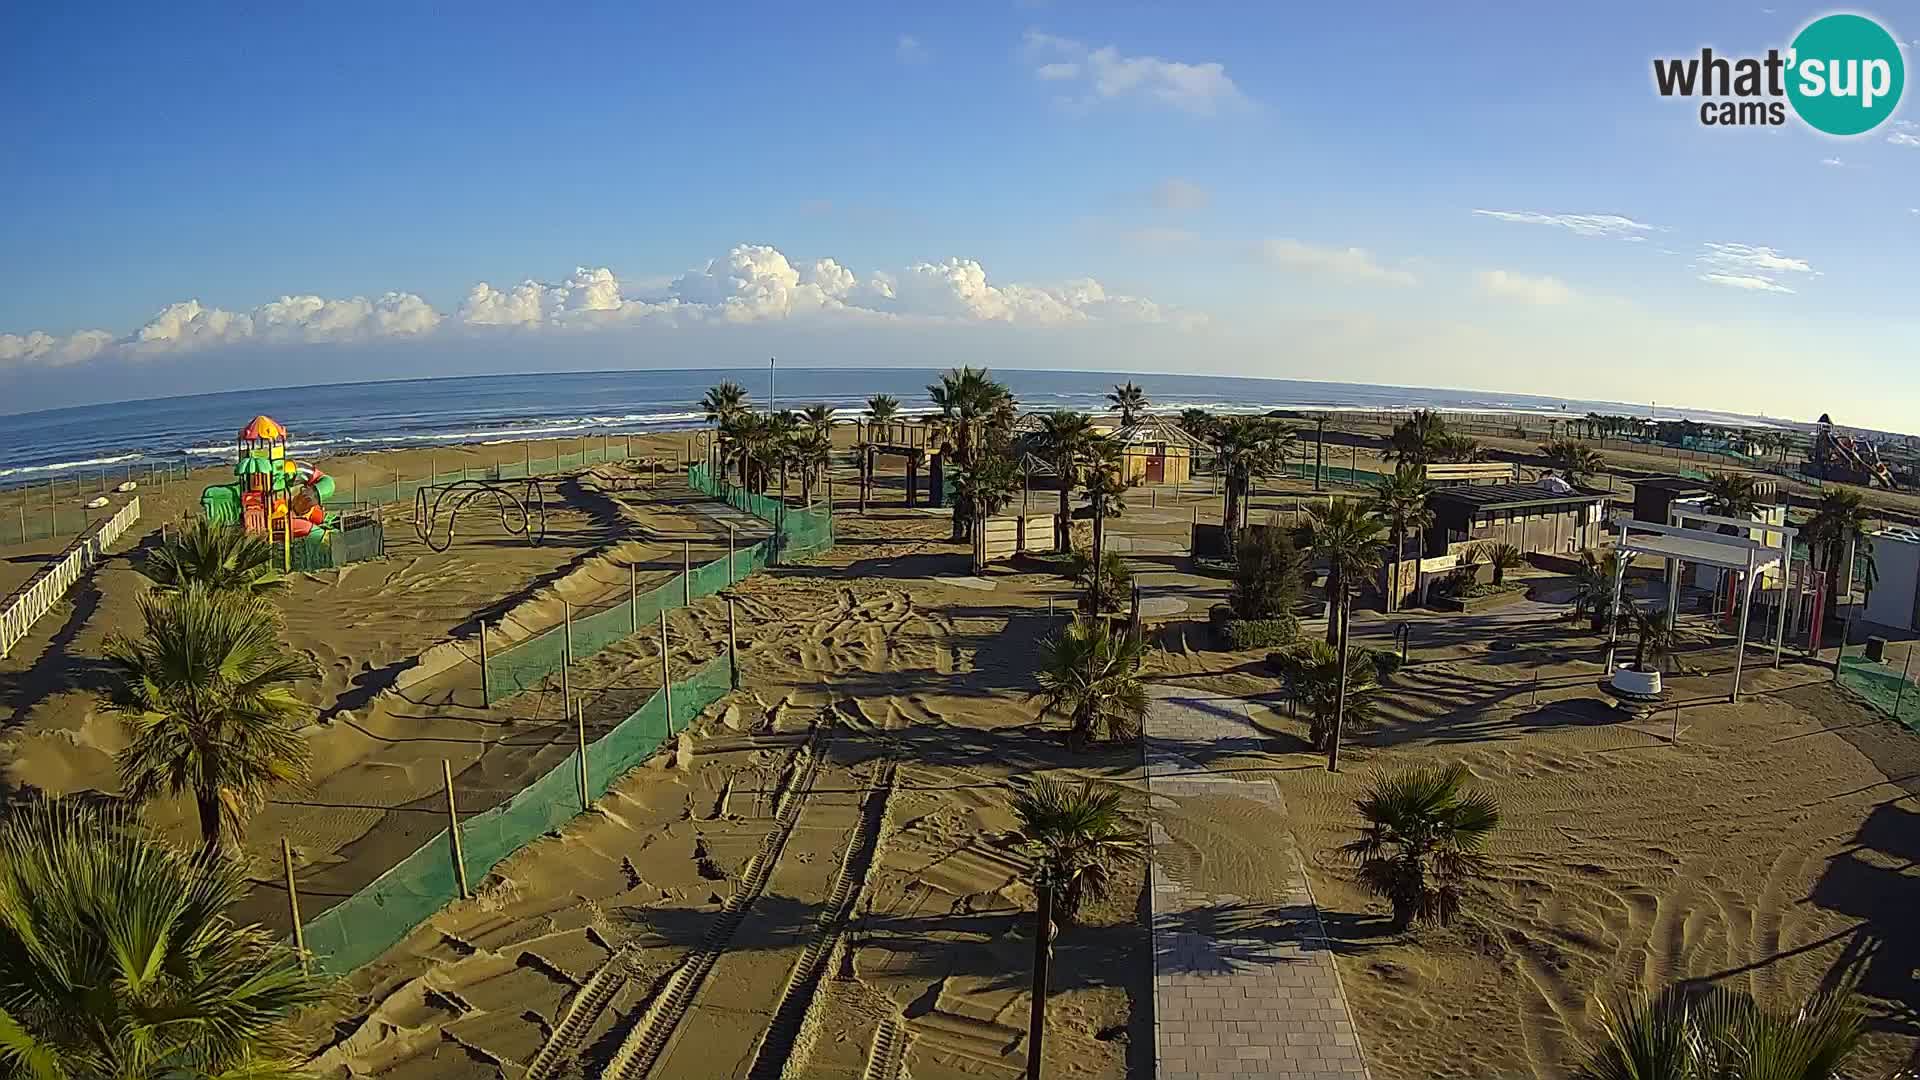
(857, 787)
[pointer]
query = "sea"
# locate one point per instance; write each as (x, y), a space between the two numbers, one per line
(372, 416)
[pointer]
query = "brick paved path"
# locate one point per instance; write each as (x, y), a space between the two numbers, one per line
(1250, 996)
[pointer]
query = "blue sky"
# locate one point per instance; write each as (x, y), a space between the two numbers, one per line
(1254, 191)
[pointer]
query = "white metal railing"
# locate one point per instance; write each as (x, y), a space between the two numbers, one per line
(37, 597)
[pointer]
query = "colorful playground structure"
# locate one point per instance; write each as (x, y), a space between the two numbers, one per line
(272, 495)
(1837, 456)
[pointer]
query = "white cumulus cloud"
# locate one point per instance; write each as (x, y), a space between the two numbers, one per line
(1602, 225)
(749, 283)
(1106, 74)
(1526, 288)
(1348, 264)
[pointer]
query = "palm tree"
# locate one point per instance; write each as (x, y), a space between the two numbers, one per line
(1245, 447)
(1106, 491)
(1840, 521)
(1063, 439)
(1418, 439)
(723, 404)
(818, 417)
(221, 557)
(973, 410)
(1348, 536)
(1577, 460)
(117, 960)
(1130, 400)
(1091, 676)
(1456, 449)
(1593, 586)
(1401, 501)
(883, 408)
(1077, 836)
(207, 699)
(1105, 592)
(987, 485)
(1197, 423)
(1311, 671)
(1654, 640)
(1717, 1032)
(1424, 841)
(1732, 495)
(810, 449)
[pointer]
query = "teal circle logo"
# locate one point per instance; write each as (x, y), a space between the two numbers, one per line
(1845, 74)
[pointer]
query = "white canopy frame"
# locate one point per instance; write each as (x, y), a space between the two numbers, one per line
(1737, 552)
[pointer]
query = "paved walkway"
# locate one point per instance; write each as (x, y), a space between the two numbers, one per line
(1256, 996)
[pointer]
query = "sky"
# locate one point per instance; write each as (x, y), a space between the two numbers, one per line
(1493, 197)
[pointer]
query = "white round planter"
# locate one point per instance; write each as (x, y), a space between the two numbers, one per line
(1637, 683)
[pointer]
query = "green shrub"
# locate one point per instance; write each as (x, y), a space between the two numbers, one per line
(1385, 663)
(1241, 634)
(1116, 581)
(1266, 574)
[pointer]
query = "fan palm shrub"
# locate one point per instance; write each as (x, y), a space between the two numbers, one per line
(1716, 1033)
(206, 694)
(1091, 675)
(1310, 671)
(117, 959)
(221, 558)
(1130, 401)
(1424, 841)
(1347, 534)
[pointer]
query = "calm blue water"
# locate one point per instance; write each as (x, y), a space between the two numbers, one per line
(358, 417)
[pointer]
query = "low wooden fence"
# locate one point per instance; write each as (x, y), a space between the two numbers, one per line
(45, 589)
(1004, 537)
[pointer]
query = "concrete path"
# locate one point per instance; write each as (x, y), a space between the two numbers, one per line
(1234, 997)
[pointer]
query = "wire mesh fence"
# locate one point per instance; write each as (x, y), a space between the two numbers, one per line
(1885, 688)
(377, 916)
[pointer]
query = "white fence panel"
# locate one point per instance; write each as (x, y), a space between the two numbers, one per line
(38, 595)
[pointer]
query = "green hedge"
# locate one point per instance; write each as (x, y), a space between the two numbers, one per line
(1240, 634)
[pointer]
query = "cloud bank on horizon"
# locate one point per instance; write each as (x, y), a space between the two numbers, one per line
(752, 283)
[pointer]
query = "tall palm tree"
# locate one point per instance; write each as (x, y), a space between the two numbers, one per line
(1347, 534)
(723, 404)
(1063, 439)
(206, 694)
(1091, 676)
(1400, 498)
(1418, 439)
(883, 408)
(1106, 491)
(1197, 423)
(1577, 460)
(1077, 836)
(1130, 401)
(987, 485)
(117, 960)
(818, 417)
(1245, 447)
(1716, 1033)
(1425, 839)
(974, 410)
(809, 450)
(1839, 521)
(1311, 671)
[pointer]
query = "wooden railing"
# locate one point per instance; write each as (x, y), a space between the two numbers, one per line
(37, 597)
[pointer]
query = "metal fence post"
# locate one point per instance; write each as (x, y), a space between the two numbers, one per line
(566, 654)
(686, 573)
(580, 727)
(730, 578)
(486, 681)
(633, 599)
(666, 671)
(293, 903)
(453, 832)
(733, 648)
(1902, 691)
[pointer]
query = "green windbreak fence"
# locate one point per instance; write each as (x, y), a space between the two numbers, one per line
(339, 547)
(1887, 689)
(377, 917)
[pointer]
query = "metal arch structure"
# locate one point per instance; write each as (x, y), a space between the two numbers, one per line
(520, 515)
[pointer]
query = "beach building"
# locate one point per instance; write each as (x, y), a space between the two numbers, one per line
(1895, 600)
(1547, 516)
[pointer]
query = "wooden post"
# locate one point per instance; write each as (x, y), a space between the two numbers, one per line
(526, 456)
(566, 650)
(293, 903)
(730, 577)
(666, 671)
(732, 644)
(486, 680)
(1042, 950)
(633, 599)
(686, 573)
(580, 726)
(453, 832)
